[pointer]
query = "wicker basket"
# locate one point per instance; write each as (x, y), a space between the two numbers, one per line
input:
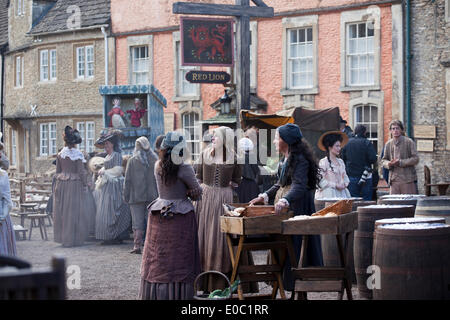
(340, 207)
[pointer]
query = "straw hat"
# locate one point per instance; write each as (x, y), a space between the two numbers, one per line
(340, 133)
(95, 164)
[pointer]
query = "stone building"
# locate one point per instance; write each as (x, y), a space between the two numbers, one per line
(430, 87)
(313, 54)
(3, 49)
(55, 65)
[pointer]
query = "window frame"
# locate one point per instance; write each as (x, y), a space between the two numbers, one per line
(136, 41)
(85, 136)
(186, 130)
(83, 64)
(13, 149)
(20, 8)
(179, 96)
(50, 145)
(134, 73)
(347, 18)
(293, 23)
(369, 123)
(18, 76)
(447, 11)
(52, 67)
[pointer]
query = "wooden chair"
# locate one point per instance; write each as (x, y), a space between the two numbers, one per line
(442, 187)
(25, 284)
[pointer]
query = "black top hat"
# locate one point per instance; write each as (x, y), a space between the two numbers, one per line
(72, 136)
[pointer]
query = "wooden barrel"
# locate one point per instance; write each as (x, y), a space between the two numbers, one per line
(330, 251)
(408, 220)
(406, 199)
(434, 207)
(414, 261)
(363, 243)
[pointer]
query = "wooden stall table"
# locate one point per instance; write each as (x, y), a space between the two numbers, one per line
(26, 209)
(322, 279)
(246, 229)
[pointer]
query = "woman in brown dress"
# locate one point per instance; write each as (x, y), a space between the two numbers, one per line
(171, 260)
(218, 172)
(70, 221)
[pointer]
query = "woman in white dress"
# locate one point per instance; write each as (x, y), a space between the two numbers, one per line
(334, 180)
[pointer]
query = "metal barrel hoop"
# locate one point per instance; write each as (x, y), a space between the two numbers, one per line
(205, 296)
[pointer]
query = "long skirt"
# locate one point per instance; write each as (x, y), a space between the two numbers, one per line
(113, 217)
(214, 253)
(171, 259)
(90, 210)
(7, 238)
(70, 221)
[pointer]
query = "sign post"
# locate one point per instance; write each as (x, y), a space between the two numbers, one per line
(242, 11)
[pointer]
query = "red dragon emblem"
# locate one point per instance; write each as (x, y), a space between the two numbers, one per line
(207, 40)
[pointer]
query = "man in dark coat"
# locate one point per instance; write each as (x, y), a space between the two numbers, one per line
(359, 155)
(345, 128)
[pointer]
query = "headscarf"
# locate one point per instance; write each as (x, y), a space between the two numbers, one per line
(143, 151)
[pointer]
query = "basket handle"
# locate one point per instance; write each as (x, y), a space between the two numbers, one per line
(215, 272)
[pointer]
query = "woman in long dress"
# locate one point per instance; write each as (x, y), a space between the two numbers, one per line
(70, 227)
(334, 180)
(113, 218)
(298, 175)
(171, 260)
(218, 173)
(7, 237)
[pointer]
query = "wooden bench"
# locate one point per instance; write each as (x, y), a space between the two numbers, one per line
(20, 232)
(442, 187)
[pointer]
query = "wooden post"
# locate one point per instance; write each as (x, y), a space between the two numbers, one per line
(243, 62)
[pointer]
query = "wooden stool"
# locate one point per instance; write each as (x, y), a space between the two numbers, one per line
(38, 220)
(322, 279)
(20, 230)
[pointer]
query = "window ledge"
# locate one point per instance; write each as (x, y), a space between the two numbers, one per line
(18, 88)
(293, 92)
(45, 158)
(360, 88)
(187, 98)
(87, 80)
(47, 82)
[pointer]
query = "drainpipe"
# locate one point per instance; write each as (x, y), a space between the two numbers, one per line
(408, 67)
(105, 35)
(2, 93)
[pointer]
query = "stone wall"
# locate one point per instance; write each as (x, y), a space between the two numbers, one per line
(430, 45)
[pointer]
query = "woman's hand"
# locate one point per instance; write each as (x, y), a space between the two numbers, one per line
(256, 201)
(340, 186)
(101, 171)
(280, 205)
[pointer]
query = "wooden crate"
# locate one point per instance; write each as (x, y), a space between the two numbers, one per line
(322, 225)
(256, 210)
(267, 224)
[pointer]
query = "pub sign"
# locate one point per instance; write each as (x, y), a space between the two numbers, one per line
(207, 42)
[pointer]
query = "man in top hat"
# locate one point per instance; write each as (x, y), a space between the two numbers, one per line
(345, 128)
(359, 155)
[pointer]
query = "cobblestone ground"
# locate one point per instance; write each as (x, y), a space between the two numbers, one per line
(109, 272)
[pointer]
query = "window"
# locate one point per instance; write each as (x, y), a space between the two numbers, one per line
(367, 115)
(360, 54)
(20, 6)
(18, 79)
(184, 87)
(48, 65)
(360, 38)
(85, 62)
(192, 129)
(47, 145)
(87, 133)
(300, 58)
(140, 65)
(13, 147)
(447, 10)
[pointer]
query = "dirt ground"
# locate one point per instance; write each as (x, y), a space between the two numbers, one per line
(109, 272)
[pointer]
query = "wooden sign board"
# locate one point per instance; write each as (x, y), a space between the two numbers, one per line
(422, 131)
(425, 145)
(195, 76)
(207, 42)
